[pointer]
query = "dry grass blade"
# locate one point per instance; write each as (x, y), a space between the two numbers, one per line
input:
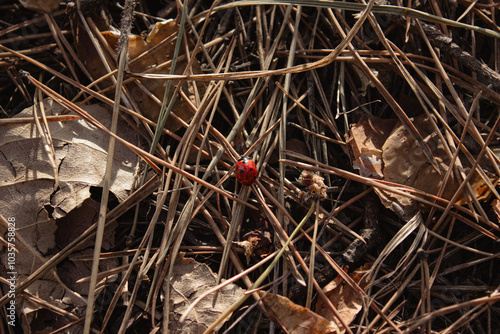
(20, 120)
(146, 156)
(126, 26)
(47, 138)
(386, 9)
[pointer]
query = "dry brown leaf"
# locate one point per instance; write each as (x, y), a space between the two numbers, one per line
(346, 299)
(257, 243)
(43, 6)
(405, 163)
(27, 188)
(297, 319)
(191, 279)
(68, 229)
(366, 139)
(402, 160)
(154, 54)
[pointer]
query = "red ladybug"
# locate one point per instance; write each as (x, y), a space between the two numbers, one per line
(246, 172)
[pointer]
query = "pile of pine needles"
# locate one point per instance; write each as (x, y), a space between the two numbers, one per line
(282, 82)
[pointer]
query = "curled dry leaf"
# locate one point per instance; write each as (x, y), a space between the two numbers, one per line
(394, 155)
(346, 299)
(151, 54)
(27, 191)
(190, 279)
(315, 185)
(295, 318)
(257, 243)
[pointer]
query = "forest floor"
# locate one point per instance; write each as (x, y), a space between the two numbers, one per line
(264, 167)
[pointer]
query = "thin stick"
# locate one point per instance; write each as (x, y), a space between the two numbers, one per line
(126, 27)
(358, 7)
(312, 260)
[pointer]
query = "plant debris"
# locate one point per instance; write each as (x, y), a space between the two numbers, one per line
(373, 126)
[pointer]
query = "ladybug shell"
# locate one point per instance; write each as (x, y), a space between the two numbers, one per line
(245, 171)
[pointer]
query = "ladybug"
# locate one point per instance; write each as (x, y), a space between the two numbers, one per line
(246, 172)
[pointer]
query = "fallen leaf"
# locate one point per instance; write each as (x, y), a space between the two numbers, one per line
(257, 243)
(397, 158)
(68, 229)
(366, 139)
(346, 299)
(190, 279)
(27, 193)
(43, 6)
(295, 318)
(405, 163)
(147, 54)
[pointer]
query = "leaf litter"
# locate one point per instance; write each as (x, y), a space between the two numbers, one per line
(433, 125)
(27, 193)
(189, 280)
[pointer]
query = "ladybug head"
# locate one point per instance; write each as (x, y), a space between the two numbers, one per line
(244, 159)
